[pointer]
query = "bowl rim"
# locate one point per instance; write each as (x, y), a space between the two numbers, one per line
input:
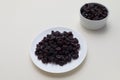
(95, 3)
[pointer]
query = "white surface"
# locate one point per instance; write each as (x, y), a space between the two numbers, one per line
(22, 20)
(52, 68)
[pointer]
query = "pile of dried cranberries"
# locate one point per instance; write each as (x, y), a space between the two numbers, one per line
(58, 48)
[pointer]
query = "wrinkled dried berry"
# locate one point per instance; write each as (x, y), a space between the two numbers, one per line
(94, 11)
(75, 56)
(40, 56)
(58, 48)
(44, 60)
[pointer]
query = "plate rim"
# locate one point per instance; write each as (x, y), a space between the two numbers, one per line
(52, 28)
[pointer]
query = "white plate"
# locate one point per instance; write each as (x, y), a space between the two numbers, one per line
(52, 68)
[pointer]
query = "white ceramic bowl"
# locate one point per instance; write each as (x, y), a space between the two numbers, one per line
(93, 24)
(53, 68)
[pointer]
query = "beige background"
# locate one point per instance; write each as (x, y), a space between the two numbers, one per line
(22, 20)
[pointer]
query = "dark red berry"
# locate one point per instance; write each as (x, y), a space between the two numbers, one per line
(75, 56)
